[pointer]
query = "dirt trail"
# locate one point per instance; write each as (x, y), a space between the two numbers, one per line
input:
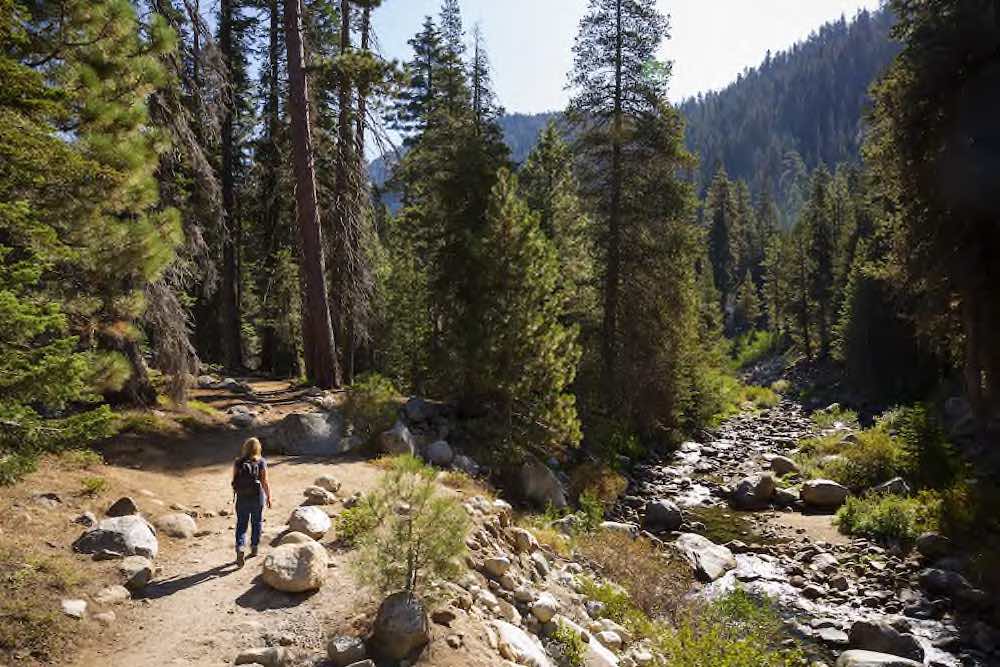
(201, 609)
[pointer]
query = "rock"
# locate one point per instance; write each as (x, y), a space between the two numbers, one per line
(597, 655)
(127, 535)
(753, 492)
(112, 595)
(136, 572)
(785, 497)
(662, 515)
(243, 419)
(833, 636)
(933, 546)
(466, 465)
(881, 637)
(397, 440)
(782, 465)
(328, 483)
(895, 486)
(271, 656)
(343, 651)
(443, 617)
(312, 521)
(496, 566)
(439, 453)
(629, 529)
(418, 410)
(295, 568)
(943, 582)
(708, 559)
(537, 484)
(105, 618)
(855, 658)
(179, 525)
(74, 608)
(610, 639)
(107, 554)
(86, 519)
(516, 645)
(545, 607)
(294, 537)
(207, 381)
(568, 525)
(823, 494)
(401, 627)
(524, 541)
(124, 506)
(318, 496)
(310, 434)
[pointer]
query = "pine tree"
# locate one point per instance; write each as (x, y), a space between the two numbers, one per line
(412, 111)
(724, 236)
(932, 151)
(747, 305)
(526, 358)
(822, 246)
(79, 234)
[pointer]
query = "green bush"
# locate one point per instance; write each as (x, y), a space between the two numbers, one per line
(870, 458)
(931, 461)
(737, 630)
(93, 486)
(419, 535)
(827, 417)
(356, 521)
(781, 386)
(567, 646)
(889, 518)
(754, 346)
(371, 406)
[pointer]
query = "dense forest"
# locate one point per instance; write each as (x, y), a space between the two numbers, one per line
(580, 290)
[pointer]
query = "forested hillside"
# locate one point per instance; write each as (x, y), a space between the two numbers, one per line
(799, 108)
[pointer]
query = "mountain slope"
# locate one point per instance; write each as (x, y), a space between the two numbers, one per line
(809, 99)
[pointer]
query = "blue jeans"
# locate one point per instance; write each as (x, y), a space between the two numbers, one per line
(252, 513)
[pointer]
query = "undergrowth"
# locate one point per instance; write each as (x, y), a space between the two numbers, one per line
(890, 518)
(371, 406)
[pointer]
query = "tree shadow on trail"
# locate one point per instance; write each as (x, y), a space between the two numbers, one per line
(261, 597)
(167, 587)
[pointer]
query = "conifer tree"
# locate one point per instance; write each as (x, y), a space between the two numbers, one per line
(526, 358)
(724, 236)
(822, 250)
(747, 305)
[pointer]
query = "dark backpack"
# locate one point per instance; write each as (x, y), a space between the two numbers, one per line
(247, 481)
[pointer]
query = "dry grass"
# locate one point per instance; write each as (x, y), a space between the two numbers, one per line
(466, 484)
(655, 581)
(599, 481)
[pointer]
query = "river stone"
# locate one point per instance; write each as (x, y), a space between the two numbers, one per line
(524, 541)
(881, 637)
(269, 656)
(439, 453)
(74, 608)
(295, 568)
(708, 559)
(136, 572)
(124, 506)
(466, 465)
(933, 546)
(344, 651)
(111, 595)
(518, 646)
(856, 658)
(397, 440)
(312, 521)
(782, 465)
(127, 535)
(316, 495)
(496, 566)
(785, 497)
(823, 493)
(895, 486)
(662, 515)
(753, 492)
(401, 627)
(545, 607)
(179, 525)
(597, 654)
(310, 434)
(537, 484)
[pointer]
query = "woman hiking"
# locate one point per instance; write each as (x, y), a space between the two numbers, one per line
(252, 491)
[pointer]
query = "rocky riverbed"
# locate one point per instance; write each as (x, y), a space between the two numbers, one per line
(835, 592)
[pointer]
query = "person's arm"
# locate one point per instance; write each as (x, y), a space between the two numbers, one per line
(265, 485)
(232, 482)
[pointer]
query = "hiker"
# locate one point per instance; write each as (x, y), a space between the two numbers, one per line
(252, 491)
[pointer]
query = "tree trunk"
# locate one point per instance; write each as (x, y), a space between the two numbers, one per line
(229, 296)
(138, 390)
(317, 328)
(346, 248)
(613, 270)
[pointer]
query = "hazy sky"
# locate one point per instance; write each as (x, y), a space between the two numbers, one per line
(529, 41)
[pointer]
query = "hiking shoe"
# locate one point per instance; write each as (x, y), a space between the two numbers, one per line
(253, 552)
(240, 558)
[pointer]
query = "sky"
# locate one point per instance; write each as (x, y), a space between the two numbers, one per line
(530, 41)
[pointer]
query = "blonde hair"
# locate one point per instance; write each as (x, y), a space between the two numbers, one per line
(251, 448)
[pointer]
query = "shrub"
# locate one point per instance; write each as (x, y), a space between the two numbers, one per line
(754, 346)
(94, 486)
(419, 535)
(889, 518)
(872, 457)
(601, 482)
(356, 521)
(203, 408)
(142, 422)
(737, 630)
(567, 646)
(761, 397)
(79, 459)
(654, 582)
(931, 461)
(781, 386)
(830, 416)
(371, 405)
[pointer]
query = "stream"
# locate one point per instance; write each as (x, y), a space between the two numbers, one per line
(822, 582)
